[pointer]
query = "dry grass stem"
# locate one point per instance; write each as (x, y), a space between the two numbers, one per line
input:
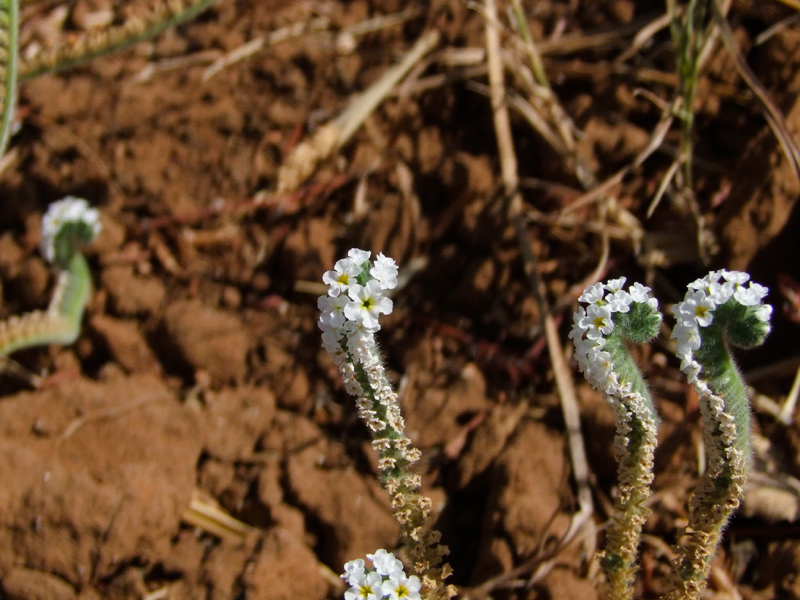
(303, 160)
(207, 515)
(773, 115)
(786, 415)
(255, 45)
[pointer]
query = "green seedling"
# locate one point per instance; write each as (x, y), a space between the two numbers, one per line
(66, 226)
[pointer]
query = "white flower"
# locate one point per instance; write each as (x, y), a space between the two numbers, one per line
(386, 563)
(735, 277)
(615, 285)
(385, 271)
(62, 212)
(597, 321)
(600, 368)
(366, 587)
(708, 284)
(342, 277)
(688, 337)
(577, 331)
(332, 310)
(366, 303)
(696, 306)
(593, 294)
(353, 571)
(620, 301)
(750, 296)
(360, 341)
(359, 256)
(691, 368)
(639, 292)
(764, 312)
(400, 587)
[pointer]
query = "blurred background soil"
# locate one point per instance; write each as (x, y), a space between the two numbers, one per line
(199, 380)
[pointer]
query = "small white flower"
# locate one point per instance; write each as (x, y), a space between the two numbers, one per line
(332, 310)
(367, 587)
(342, 277)
(639, 292)
(620, 301)
(709, 285)
(691, 368)
(696, 306)
(353, 571)
(359, 256)
(385, 271)
(332, 342)
(764, 312)
(735, 277)
(593, 294)
(366, 303)
(615, 285)
(751, 295)
(597, 321)
(400, 587)
(360, 341)
(385, 563)
(688, 336)
(577, 331)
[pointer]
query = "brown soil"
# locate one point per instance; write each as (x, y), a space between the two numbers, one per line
(199, 373)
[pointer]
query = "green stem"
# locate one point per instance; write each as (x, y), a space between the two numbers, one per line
(9, 48)
(61, 323)
(634, 447)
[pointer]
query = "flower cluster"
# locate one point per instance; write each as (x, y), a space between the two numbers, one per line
(386, 580)
(594, 324)
(696, 311)
(355, 300)
(67, 218)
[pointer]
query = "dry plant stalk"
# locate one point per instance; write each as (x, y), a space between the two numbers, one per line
(303, 160)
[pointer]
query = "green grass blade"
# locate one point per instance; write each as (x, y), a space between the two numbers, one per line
(9, 42)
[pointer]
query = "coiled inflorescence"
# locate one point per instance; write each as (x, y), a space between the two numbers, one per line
(719, 310)
(594, 326)
(599, 333)
(719, 290)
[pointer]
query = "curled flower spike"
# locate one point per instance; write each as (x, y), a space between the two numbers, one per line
(718, 310)
(66, 226)
(599, 332)
(349, 319)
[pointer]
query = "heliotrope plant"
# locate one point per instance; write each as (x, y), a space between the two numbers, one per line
(349, 320)
(721, 309)
(67, 225)
(614, 316)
